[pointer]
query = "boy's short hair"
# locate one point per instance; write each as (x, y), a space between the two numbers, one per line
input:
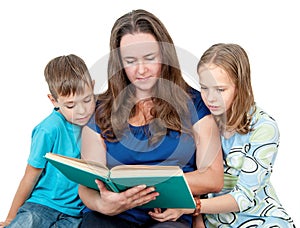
(67, 75)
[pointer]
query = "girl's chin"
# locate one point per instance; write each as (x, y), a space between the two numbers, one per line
(216, 112)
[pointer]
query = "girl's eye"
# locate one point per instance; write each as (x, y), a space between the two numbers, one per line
(220, 90)
(203, 88)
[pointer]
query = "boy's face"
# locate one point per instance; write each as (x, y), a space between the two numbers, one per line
(76, 108)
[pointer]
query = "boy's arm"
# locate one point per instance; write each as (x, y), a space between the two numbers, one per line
(25, 188)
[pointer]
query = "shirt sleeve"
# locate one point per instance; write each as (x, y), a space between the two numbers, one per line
(41, 143)
(257, 163)
(92, 124)
(197, 107)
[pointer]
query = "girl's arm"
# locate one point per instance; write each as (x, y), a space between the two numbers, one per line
(257, 162)
(107, 202)
(25, 188)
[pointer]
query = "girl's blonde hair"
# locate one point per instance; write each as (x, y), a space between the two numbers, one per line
(234, 60)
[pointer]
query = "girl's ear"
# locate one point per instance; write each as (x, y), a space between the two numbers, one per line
(53, 100)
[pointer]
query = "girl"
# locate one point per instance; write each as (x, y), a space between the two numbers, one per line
(249, 138)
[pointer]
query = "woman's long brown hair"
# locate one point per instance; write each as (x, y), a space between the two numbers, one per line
(117, 104)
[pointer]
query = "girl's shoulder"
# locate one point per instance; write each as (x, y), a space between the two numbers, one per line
(264, 127)
(261, 116)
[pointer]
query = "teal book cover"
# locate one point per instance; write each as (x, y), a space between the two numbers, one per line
(169, 181)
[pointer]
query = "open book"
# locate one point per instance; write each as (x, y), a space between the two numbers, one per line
(169, 181)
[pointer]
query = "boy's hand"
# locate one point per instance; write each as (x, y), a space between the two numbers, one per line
(5, 223)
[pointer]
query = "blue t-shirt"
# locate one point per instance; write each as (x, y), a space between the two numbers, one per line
(55, 134)
(173, 149)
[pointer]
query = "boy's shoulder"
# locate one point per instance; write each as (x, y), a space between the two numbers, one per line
(53, 121)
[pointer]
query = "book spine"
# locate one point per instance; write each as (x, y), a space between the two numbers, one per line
(111, 186)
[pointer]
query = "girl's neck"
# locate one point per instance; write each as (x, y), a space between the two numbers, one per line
(227, 134)
(224, 131)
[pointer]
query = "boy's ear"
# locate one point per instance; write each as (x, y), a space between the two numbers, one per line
(52, 99)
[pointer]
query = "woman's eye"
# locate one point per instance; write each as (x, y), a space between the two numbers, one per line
(151, 58)
(129, 61)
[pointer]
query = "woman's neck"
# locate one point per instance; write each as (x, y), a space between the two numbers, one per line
(142, 113)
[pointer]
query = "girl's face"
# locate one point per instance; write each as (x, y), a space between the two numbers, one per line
(217, 89)
(140, 55)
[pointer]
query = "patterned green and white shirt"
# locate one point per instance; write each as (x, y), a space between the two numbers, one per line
(248, 164)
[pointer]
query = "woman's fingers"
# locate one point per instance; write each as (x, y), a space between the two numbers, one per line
(140, 195)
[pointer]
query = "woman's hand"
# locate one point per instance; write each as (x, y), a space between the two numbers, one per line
(169, 214)
(112, 203)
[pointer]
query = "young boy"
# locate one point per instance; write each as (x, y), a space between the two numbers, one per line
(45, 197)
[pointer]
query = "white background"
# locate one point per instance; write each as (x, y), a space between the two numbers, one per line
(33, 32)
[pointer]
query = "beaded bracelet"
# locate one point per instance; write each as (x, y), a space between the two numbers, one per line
(198, 206)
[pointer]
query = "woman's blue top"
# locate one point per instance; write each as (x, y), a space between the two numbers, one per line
(173, 149)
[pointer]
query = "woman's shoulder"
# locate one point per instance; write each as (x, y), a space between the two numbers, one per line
(195, 95)
(197, 107)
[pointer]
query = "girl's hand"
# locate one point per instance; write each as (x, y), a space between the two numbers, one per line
(114, 203)
(167, 215)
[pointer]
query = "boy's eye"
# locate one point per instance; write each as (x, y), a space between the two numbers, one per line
(203, 88)
(70, 106)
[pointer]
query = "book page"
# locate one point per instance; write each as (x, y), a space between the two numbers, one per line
(89, 166)
(145, 171)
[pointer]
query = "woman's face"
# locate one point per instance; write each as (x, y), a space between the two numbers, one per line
(217, 89)
(140, 55)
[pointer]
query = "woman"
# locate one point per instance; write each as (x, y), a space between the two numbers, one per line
(250, 139)
(148, 115)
